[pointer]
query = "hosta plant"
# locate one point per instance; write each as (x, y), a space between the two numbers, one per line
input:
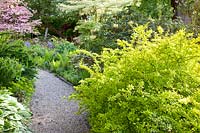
(149, 84)
(13, 115)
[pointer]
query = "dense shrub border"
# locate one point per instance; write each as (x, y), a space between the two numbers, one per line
(148, 85)
(17, 72)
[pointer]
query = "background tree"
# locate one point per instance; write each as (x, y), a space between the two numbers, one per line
(57, 21)
(15, 16)
(174, 4)
(108, 20)
(94, 7)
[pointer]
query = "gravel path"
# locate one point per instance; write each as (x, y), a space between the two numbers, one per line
(52, 112)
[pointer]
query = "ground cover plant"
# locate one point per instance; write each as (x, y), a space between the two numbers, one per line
(13, 115)
(150, 84)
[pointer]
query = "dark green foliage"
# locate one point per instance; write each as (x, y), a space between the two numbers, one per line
(10, 70)
(120, 25)
(58, 22)
(17, 69)
(17, 51)
(148, 85)
(157, 9)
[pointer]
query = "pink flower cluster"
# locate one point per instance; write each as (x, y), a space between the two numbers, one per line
(14, 16)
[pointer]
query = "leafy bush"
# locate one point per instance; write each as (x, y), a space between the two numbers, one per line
(148, 85)
(22, 89)
(16, 50)
(17, 71)
(13, 115)
(10, 70)
(155, 8)
(17, 68)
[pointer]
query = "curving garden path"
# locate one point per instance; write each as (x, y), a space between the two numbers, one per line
(52, 111)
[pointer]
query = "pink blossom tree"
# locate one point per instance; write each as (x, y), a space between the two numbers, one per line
(16, 17)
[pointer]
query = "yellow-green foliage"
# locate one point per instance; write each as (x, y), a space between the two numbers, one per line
(151, 84)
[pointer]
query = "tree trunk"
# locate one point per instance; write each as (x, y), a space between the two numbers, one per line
(174, 4)
(46, 33)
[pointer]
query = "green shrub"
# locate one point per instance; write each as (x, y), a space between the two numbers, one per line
(16, 50)
(148, 85)
(17, 68)
(22, 89)
(13, 115)
(62, 46)
(10, 70)
(11, 77)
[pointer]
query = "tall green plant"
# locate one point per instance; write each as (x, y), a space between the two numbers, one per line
(150, 84)
(90, 12)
